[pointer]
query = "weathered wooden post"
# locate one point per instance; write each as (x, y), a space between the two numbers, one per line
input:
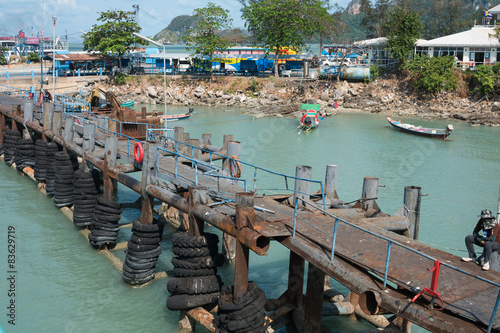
(57, 119)
(412, 199)
(302, 187)
(244, 213)
(48, 113)
(69, 129)
(2, 128)
(226, 139)
(313, 304)
(110, 149)
(148, 177)
(369, 194)
(88, 138)
(28, 116)
(143, 112)
(331, 195)
(233, 150)
(207, 139)
(196, 195)
(195, 153)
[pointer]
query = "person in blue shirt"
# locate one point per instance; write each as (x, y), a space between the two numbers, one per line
(485, 236)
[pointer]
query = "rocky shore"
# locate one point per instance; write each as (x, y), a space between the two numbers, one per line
(282, 97)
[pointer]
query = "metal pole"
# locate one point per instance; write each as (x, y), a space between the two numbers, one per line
(54, 62)
(165, 88)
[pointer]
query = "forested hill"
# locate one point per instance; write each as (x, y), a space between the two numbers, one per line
(365, 19)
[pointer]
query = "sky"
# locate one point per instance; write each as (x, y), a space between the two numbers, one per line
(73, 16)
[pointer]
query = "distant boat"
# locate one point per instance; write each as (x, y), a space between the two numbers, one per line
(311, 117)
(422, 131)
(178, 116)
(128, 104)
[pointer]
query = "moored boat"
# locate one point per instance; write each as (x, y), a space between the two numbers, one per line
(310, 118)
(422, 131)
(128, 104)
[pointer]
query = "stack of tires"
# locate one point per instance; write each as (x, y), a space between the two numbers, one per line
(40, 160)
(105, 222)
(85, 199)
(25, 154)
(195, 282)
(11, 138)
(143, 250)
(63, 185)
(52, 149)
(245, 315)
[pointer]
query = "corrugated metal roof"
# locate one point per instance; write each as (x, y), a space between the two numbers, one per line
(371, 42)
(478, 36)
(77, 57)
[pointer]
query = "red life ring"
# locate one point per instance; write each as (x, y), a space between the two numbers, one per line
(303, 118)
(235, 167)
(138, 156)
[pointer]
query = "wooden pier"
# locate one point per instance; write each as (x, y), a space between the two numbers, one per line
(376, 256)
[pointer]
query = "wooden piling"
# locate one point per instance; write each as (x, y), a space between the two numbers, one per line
(196, 225)
(2, 128)
(412, 198)
(111, 146)
(302, 187)
(57, 121)
(148, 177)
(195, 153)
(369, 194)
(207, 139)
(48, 112)
(313, 304)
(331, 174)
(143, 112)
(69, 129)
(244, 214)
(28, 111)
(88, 137)
(296, 269)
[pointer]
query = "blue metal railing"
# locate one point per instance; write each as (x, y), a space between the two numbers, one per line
(390, 242)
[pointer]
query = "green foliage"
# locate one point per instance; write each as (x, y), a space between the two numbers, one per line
(403, 31)
(120, 79)
(204, 39)
(114, 35)
(253, 86)
(432, 74)
(374, 72)
(284, 23)
(485, 79)
(33, 57)
(3, 59)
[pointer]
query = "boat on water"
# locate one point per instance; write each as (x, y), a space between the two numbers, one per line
(310, 118)
(128, 104)
(178, 116)
(422, 131)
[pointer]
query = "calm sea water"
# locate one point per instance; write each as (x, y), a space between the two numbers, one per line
(63, 285)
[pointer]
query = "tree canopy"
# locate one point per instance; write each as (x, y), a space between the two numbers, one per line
(114, 35)
(205, 38)
(278, 24)
(403, 30)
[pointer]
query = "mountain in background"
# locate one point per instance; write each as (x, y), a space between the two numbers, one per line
(177, 28)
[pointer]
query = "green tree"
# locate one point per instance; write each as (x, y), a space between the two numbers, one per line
(33, 57)
(433, 74)
(205, 38)
(403, 30)
(3, 59)
(283, 23)
(375, 16)
(114, 35)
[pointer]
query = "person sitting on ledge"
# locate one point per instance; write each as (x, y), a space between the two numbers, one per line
(488, 238)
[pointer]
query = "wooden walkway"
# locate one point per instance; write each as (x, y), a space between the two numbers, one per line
(360, 257)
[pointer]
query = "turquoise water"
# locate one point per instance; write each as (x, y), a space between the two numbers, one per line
(63, 285)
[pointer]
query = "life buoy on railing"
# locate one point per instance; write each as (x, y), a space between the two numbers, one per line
(235, 167)
(138, 152)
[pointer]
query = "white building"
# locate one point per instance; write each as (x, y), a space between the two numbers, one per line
(473, 47)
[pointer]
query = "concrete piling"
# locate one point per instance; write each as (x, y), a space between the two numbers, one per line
(69, 129)
(369, 194)
(207, 139)
(48, 112)
(330, 190)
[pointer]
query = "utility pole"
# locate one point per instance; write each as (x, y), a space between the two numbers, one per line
(54, 18)
(41, 46)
